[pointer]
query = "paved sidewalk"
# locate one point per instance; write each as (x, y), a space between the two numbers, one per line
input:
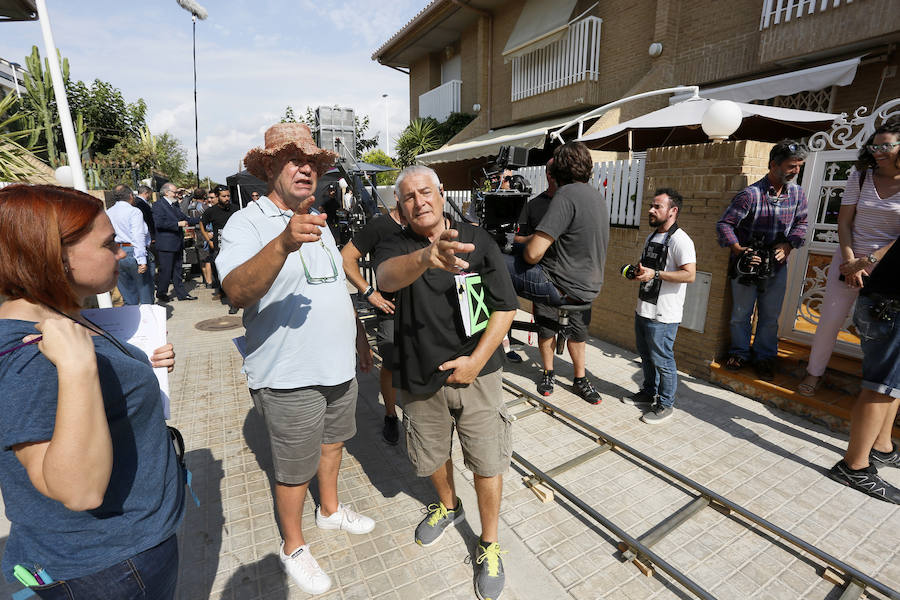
(771, 462)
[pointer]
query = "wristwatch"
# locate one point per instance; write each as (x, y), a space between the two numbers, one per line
(369, 291)
(872, 258)
(656, 274)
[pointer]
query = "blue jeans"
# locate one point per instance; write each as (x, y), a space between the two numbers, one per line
(880, 344)
(768, 306)
(150, 575)
(129, 278)
(531, 282)
(655, 343)
(146, 284)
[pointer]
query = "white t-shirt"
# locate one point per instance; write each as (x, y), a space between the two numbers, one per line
(670, 304)
(299, 333)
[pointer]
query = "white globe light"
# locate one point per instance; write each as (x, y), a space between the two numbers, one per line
(721, 119)
(64, 176)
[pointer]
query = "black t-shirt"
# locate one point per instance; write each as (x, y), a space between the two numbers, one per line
(428, 328)
(533, 212)
(218, 216)
(884, 280)
(578, 222)
(374, 233)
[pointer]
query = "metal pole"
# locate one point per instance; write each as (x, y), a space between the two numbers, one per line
(663, 528)
(785, 535)
(62, 102)
(387, 124)
(196, 128)
(674, 573)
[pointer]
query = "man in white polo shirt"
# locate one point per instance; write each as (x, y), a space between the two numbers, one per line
(279, 262)
(668, 263)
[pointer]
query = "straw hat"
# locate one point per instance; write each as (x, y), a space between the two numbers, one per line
(287, 137)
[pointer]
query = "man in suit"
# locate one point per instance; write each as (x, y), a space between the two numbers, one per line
(170, 243)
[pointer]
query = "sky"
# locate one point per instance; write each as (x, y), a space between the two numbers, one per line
(254, 58)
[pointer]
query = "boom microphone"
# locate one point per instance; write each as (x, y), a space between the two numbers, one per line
(193, 8)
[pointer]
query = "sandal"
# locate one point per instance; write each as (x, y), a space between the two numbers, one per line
(734, 363)
(809, 389)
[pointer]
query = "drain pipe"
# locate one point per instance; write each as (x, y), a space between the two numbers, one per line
(490, 53)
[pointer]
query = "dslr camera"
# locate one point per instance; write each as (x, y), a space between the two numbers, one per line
(499, 208)
(748, 272)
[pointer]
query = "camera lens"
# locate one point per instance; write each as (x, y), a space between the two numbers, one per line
(628, 271)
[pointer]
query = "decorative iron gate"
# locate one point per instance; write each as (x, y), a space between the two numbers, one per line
(832, 154)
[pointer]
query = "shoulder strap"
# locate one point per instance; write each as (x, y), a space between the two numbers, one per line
(862, 178)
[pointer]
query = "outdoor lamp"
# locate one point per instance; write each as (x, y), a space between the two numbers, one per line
(64, 176)
(721, 119)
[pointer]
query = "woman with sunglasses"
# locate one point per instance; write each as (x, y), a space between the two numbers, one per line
(91, 483)
(868, 222)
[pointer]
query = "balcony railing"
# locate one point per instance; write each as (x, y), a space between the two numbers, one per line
(441, 101)
(573, 58)
(782, 11)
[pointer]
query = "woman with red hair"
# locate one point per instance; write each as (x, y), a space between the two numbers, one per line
(91, 483)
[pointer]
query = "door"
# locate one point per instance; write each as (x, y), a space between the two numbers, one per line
(824, 178)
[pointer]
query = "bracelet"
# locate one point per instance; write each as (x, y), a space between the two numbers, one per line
(369, 291)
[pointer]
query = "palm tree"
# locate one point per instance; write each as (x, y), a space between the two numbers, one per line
(420, 136)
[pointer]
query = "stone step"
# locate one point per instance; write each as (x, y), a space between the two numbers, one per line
(830, 406)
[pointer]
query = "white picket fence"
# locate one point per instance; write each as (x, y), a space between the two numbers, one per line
(620, 181)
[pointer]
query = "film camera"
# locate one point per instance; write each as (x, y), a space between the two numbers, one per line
(750, 272)
(498, 209)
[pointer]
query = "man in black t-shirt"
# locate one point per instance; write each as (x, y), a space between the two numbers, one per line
(365, 242)
(217, 215)
(534, 211)
(562, 263)
(877, 321)
(444, 377)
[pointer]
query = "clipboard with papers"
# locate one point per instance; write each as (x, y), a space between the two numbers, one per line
(470, 294)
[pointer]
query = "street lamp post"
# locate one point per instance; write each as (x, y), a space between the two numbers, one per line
(387, 130)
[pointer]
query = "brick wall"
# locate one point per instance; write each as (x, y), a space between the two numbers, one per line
(708, 176)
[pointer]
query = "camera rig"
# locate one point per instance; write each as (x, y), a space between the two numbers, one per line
(498, 198)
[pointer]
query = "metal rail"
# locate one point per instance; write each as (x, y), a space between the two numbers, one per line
(854, 576)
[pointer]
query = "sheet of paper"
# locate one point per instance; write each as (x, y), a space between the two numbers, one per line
(143, 326)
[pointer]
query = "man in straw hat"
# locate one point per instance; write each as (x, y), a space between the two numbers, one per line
(279, 262)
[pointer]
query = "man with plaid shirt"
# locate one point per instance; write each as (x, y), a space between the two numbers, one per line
(770, 214)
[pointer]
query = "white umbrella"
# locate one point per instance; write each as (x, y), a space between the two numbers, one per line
(679, 124)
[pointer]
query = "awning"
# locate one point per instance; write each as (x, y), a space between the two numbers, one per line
(18, 10)
(527, 135)
(812, 79)
(540, 23)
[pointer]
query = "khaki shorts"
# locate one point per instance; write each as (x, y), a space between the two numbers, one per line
(301, 420)
(476, 410)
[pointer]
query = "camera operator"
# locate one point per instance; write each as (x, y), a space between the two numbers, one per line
(877, 319)
(563, 262)
(764, 222)
(668, 263)
(535, 210)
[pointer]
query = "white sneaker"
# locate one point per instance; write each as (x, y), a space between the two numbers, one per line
(346, 519)
(304, 570)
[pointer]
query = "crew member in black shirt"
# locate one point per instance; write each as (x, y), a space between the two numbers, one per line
(446, 378)
(217, 215)
(877, 321)
(364, 242)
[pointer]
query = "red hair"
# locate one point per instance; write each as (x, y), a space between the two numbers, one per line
(36, 223)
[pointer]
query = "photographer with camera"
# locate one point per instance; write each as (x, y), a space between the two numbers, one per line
(877, 320)
(563, 262)
(668, 263)
(763, 223)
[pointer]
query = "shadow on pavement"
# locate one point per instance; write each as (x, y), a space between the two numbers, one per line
(203, 528)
